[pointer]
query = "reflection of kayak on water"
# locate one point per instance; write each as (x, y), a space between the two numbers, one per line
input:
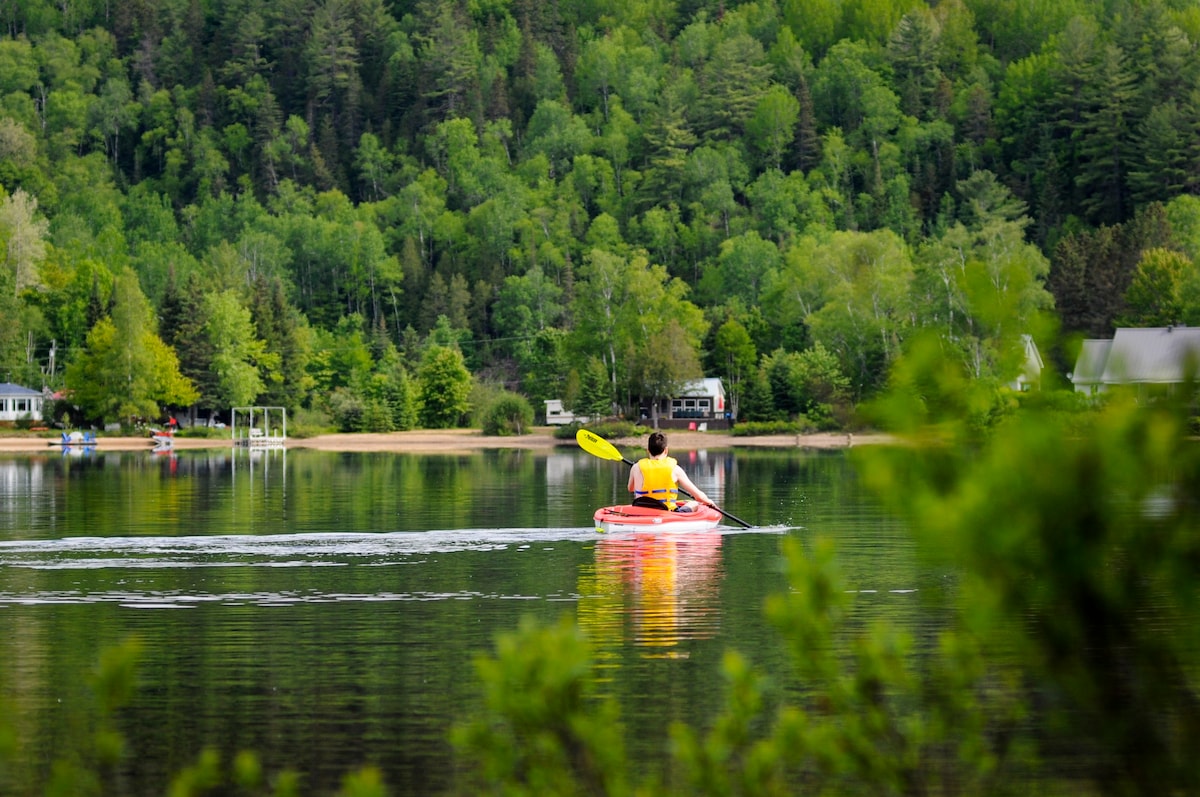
(640, 518)
(662, 589)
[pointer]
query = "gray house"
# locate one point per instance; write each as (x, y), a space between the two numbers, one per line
(19, 403)
(1147, 357)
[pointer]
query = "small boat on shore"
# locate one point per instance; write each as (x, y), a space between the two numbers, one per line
(626, 517)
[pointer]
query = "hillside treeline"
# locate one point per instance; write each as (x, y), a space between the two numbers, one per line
(348, 205)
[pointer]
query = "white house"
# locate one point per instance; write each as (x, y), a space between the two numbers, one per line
(1089, 366)
(700, 403)
(1030, 375)
(1149, 356)
(19, 403)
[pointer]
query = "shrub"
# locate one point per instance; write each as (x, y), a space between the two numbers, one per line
(347, 409)
(758, 428)
(376, 416)
(509, 414)
(203, 432)
(606, 429)
(309, 423)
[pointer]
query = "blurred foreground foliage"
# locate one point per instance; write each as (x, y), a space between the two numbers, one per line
(1067, 664)
(88, 763)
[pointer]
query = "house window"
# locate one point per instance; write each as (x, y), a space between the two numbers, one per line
(21, 405)
(3, 405)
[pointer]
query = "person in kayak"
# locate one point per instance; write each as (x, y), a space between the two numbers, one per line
(655, 480)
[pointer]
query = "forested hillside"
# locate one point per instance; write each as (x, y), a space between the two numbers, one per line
(345, 205)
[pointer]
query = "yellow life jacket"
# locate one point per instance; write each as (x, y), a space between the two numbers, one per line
(658, 480)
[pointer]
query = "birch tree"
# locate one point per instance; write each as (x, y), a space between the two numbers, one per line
(23, 235)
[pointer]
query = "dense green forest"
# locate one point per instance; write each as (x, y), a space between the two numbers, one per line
(357, 207)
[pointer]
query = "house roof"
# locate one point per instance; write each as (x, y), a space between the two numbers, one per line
(709, 386)
(1165, 355)
(1089, 366)
(8, 389)
(1033, 357)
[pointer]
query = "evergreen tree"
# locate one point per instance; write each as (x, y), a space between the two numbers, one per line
(595, 399)
(1106, 146)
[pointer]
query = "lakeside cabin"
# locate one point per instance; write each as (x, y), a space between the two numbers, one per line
(19, 404)
(1154, 359)
(700, 405)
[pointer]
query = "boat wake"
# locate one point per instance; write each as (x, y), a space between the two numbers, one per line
(233, 550)
(277, 550)
(136, 572)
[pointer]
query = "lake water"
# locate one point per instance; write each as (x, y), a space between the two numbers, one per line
(323, 609)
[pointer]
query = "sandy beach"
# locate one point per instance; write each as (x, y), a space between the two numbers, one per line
(446, 441)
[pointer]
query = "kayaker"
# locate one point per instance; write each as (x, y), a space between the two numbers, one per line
(656, 479)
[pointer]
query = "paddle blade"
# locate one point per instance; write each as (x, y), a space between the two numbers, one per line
(597, 446)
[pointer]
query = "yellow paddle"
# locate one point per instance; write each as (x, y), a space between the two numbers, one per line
(599, 447)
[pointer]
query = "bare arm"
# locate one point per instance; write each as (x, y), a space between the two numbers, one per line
(683, 481)
(635, 474)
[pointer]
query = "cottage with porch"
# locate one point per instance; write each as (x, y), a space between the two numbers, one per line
(19, 403)
(700, 404)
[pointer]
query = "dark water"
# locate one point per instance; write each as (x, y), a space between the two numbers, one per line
(323, 609)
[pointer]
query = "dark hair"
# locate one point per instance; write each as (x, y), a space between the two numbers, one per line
(656, 444)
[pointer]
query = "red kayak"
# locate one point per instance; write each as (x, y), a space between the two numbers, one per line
(643, 518)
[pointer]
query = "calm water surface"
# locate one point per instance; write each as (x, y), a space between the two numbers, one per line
(323, 609)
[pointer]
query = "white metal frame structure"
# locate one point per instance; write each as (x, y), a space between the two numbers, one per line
(259, 427)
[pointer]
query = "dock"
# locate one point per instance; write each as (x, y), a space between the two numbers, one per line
(259, 427)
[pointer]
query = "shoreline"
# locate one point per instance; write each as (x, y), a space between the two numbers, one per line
(449, 441)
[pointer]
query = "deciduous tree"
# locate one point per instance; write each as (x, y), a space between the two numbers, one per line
(444, 385)
(126, 372)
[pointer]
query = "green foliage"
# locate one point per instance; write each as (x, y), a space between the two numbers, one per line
(348, 409)
(761, 428)
(127, 372)
(1156, 294)
(541, 732)
(444, 385)
(595, 399)
(87, 761)
(209, 433)
(237, 352)
(507, 414)
(310, 423)
(1073, 546)
(609, 430)
(561, 182)
(735, 355)
(809, 384)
